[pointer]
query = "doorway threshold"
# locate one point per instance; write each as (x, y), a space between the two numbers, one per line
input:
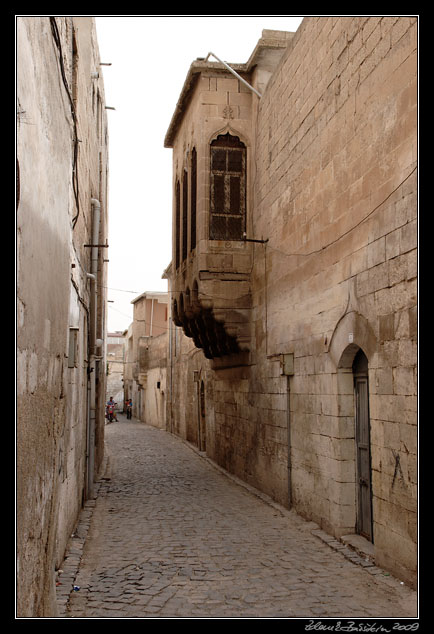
(360, 544)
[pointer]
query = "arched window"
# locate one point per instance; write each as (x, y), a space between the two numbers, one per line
(177, 223)
(193, 199)
(228, 188)
(184, 214)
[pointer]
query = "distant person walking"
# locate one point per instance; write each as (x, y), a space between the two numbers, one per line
(129, 408)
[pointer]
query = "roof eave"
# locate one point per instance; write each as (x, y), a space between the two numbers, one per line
(197, 67)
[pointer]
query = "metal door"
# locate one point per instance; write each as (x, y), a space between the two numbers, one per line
(363, 448)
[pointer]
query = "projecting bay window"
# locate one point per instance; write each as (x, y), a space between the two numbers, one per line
(228, 188)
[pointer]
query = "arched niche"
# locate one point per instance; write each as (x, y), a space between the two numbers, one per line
(352, 348)
(352, 332)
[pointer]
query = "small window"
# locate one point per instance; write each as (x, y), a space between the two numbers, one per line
(228, 188)
(73, 348)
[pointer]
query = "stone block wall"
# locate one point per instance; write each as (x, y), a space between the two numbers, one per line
(337, 199)
(333, 190)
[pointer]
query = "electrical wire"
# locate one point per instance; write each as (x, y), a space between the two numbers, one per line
(326, 246)
(75, 185)
(292, 254)
(172, 292)
(146, 321)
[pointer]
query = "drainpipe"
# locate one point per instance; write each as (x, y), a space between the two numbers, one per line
(288, 415)
(287, 369)
(94, 267)
(93, 276)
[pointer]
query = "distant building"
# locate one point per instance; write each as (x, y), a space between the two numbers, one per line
(115, 368)
(293, 282)
(145, 358)
(61, 299)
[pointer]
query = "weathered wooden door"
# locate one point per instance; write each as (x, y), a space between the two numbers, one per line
(363, 446)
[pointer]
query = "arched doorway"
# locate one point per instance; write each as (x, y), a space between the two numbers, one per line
(363, 446)
(353, 343)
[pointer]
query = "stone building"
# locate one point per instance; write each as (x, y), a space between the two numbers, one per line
(294, 274)
(61, 304)
(129, 363)
(145, 358)
(115, 368)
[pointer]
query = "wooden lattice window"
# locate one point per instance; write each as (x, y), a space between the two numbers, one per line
(228, 188)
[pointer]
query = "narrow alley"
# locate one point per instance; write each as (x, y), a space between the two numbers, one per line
(170, 535)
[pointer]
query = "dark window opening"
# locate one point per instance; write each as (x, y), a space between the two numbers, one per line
(193, 195)
(228, 188)
(177, 223)
(184, 215)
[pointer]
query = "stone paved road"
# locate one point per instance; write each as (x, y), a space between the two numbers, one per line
(171, 536)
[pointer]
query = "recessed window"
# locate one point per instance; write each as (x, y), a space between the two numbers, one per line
(184, 214)
(228, 188)
(73, 348)
(177, 224)
(193, 196)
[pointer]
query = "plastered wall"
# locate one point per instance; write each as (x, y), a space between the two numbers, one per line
(53, 290)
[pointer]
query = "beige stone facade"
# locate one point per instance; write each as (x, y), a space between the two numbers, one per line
(115, 368)
(146, 358)
(61, 306)
(294, 274)
(153, 372)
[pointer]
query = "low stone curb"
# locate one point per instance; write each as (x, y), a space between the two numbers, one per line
(356, 557)
(67, 573)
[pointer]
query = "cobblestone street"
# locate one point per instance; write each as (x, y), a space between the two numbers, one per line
(172, 536)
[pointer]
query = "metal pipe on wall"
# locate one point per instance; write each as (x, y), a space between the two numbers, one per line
(93, 361)
(287, 369)
(288, 421)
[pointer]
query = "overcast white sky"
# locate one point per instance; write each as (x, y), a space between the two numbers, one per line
(150, 57)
